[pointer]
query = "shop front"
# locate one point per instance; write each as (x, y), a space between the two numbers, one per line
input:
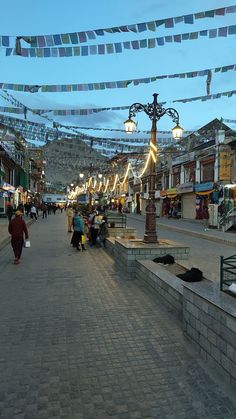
(19, 196)
(137, 198)
(227, 198)
(188, 200)
(204, 196)
(171, 204)
(129, 203)
(7, 192)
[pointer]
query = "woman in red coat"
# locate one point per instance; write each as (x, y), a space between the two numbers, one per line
(17, 228)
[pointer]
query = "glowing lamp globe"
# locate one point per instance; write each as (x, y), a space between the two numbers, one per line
(130, 126)
(177, 132)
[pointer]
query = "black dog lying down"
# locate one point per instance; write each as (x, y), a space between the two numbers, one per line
(166, 260)
(192, 275)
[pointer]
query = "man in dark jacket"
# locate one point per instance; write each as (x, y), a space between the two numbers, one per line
(9, 212)
(17, 228)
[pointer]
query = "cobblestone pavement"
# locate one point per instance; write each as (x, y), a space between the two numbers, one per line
(79, 341)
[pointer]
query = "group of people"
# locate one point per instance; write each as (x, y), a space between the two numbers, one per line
(88, 226)
(92, 226)
(32, 209)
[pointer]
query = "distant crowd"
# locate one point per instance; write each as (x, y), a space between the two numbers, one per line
(32, 209)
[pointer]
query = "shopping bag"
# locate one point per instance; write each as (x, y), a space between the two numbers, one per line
(83, 239)
(27, 243)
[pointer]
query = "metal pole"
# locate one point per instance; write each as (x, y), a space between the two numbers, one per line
(150, 235)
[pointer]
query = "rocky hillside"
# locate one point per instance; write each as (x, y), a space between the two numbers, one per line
(66, 158)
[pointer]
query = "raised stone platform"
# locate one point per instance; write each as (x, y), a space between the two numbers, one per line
(126, 252)
(127, 232)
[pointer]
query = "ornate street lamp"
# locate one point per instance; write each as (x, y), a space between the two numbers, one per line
(154, 111)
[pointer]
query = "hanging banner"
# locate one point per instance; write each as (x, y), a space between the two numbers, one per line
(66, 88)
(225, 165)
(119, 47)
(42, 41)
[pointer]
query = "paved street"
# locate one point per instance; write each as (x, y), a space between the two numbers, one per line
(79, 341)
(205, 250)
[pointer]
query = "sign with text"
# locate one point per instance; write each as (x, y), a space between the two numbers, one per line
(225, 165)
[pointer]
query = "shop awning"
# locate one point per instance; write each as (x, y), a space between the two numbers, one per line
(205, 192)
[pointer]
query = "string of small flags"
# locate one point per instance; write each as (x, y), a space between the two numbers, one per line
(75, 38)
(120, 47)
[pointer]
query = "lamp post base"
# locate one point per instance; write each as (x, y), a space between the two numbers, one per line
(150, 238)
(150, 235)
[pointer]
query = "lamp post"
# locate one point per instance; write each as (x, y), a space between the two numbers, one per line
(154, 111)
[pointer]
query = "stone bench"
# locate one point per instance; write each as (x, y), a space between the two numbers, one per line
(208, 314)
(209, 319)
(165, 283)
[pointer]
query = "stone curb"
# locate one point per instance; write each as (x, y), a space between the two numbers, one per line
(7, 240)
(193, 233)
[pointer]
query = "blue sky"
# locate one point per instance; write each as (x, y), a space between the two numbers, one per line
(57, 16)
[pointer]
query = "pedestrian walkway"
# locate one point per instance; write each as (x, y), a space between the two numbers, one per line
(193, 228)
(79, 341)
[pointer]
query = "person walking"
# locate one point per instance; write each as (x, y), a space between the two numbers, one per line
(44, 209)
(78, 225)
(18, 229)
(9, 211)
(69, 214)
(205, 217)
(103, 232)
(21, 208)
(33, 212)
(95, 226)
(27, 209)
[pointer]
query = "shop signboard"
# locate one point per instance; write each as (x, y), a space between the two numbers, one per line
(171, 191)
(184, 188)
(225, 165)
(8, 187)
(201, 187)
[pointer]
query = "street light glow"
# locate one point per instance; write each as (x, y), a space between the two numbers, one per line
(130, 126)
(177, 132)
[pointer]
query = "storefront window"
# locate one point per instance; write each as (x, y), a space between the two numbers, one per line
(166, 181)
(189, 174)
(207, 172)
(176, 179)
